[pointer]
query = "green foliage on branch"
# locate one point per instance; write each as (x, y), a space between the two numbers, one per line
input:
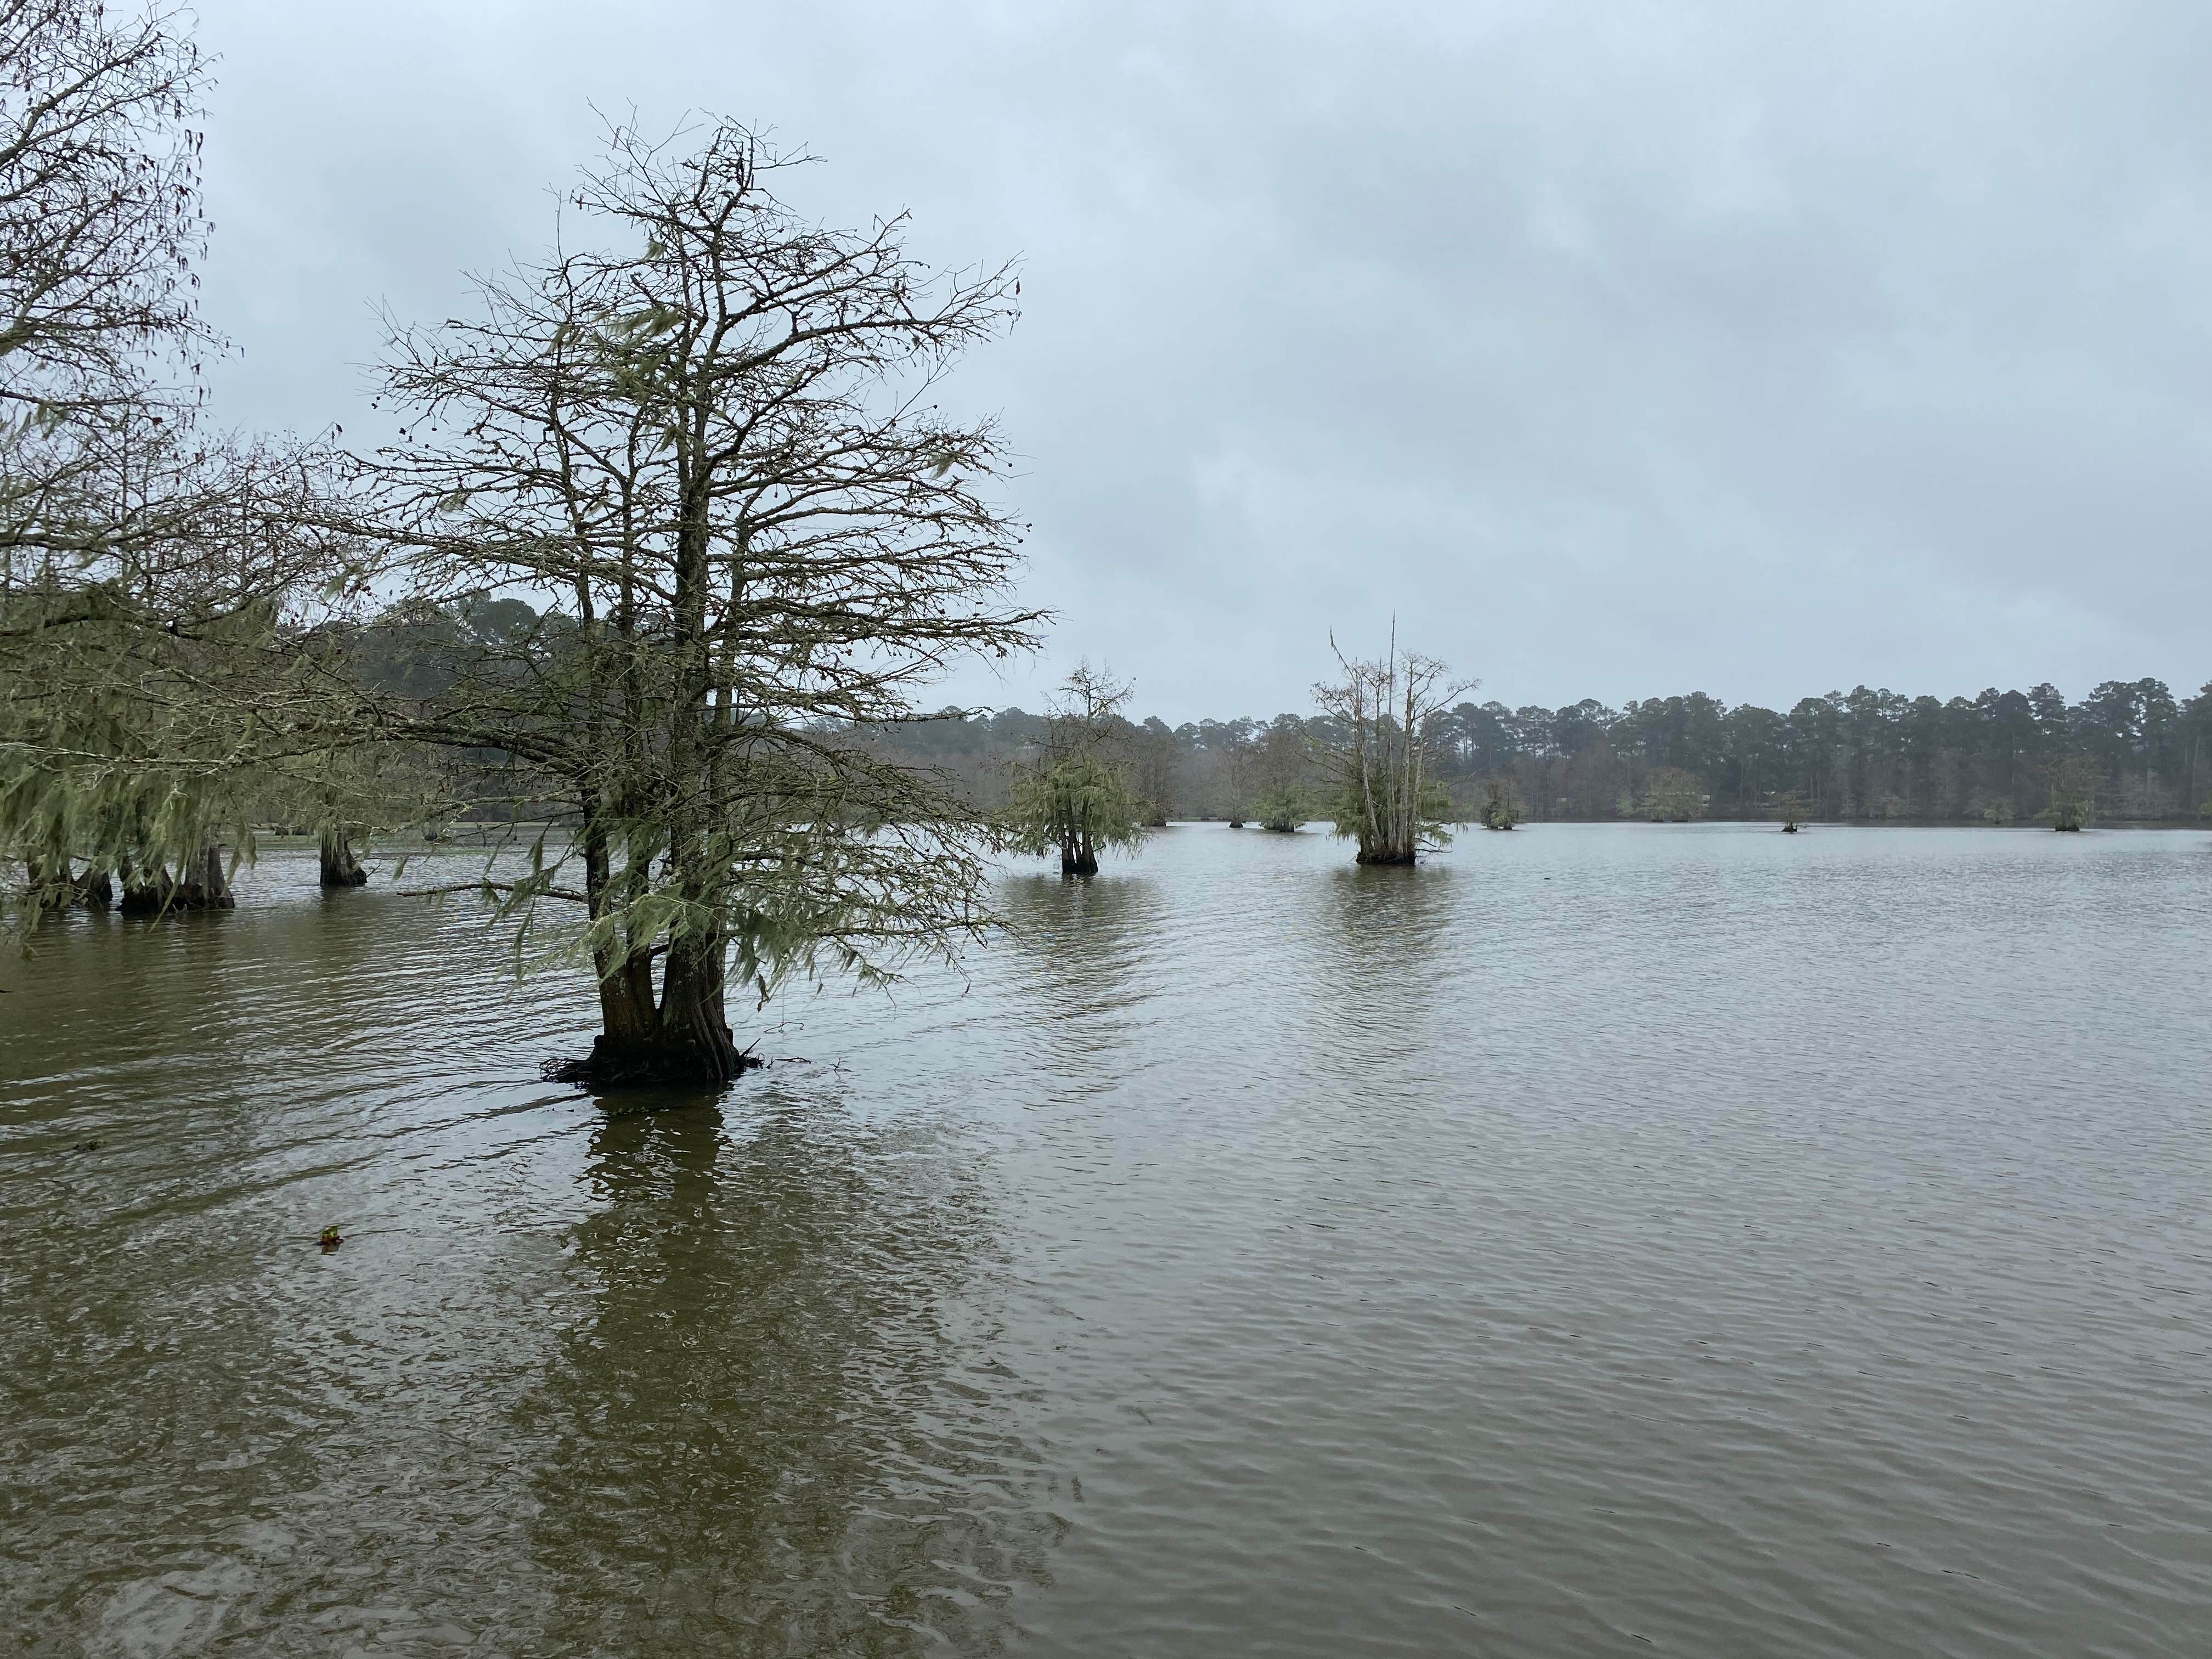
(1077, 795)
(1282, 808)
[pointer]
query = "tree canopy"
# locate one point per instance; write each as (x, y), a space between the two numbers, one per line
(1076, 794)
(708, 444)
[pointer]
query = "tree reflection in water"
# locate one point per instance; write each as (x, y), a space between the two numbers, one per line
(783, 1429)
(1384, 956)
(1086, 948)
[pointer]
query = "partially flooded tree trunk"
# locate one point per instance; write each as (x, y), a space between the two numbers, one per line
(201, 884)
(339, 867)
(1384, 856)
(1077, 855)
(209, 887)
(694, 1024)
(683, 1038)
(51, 888)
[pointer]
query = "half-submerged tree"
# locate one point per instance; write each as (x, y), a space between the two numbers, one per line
(2074, 781)
(158, 586)
(711, 441)
(1281, 808)
(1238, 755)
(1388, 797)
(1075, 796)
(1155, 767)
(1671, 796)
(1791, 811)
(1501, 804)
(1285, 760)
(343, 796)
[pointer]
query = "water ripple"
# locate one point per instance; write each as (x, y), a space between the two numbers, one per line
(1603, 1239)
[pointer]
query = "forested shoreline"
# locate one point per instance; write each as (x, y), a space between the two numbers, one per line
(2130, 751)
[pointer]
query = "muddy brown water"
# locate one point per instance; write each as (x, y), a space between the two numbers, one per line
(1603, 1240)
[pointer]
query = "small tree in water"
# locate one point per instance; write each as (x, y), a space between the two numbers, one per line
(1075, 796)
(1672, 796)
(1791, 811)
(2075, 781)
(1281, 809)
(712, 444)
(1389, 798)
(1501, 803)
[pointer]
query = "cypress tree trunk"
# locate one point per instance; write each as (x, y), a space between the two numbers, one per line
(1384, 856)
(53, 888)
(681, 1038)
(684, 1038)
(694, 1024)
(200, 885)
(1078, 857)
(339, 867)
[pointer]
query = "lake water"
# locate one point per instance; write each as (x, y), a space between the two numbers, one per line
(1602, 1240)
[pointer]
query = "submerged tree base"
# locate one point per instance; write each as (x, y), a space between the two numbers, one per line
(201, 885)
(612, 1065)
(1385, 856)
(56, 890)
(340, 868)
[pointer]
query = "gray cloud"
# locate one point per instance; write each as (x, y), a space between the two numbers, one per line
(1619, 350)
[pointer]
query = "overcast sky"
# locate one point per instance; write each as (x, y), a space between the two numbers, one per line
(1619, 350)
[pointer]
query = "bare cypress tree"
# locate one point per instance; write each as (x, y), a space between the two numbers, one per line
(100, 230)
(709, 442)
(100, 222)
(1389, 798)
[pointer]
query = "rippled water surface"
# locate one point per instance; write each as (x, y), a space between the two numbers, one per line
(1603, 1239)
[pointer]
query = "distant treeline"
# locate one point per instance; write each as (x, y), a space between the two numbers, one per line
(2130, 750)
(1861, 756)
